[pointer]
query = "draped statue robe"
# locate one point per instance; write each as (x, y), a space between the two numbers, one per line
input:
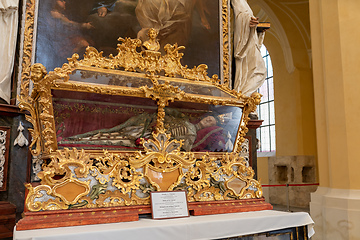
(8, 26)
(250, 67)
(172, 18)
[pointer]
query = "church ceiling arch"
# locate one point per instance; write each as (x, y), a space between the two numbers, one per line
(294, 10)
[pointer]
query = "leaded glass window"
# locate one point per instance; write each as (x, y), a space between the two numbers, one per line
(266, 110)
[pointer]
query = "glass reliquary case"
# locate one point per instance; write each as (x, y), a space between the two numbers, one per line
(112, 129)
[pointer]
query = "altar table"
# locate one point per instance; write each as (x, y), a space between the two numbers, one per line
(194, 227)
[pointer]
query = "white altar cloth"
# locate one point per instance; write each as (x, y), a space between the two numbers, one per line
(194, 227)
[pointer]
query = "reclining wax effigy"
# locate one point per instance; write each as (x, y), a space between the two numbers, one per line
(111, 130)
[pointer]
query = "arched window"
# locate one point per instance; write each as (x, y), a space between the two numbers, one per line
(266, 111)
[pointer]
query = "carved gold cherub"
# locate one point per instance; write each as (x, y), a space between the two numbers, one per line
(38, 72)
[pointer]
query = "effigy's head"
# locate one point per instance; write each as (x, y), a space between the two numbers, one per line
(208, 121)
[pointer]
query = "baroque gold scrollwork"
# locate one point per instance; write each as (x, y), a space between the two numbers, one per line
(27, 48)
(63, 165)
(163, 94)
(237, 168)
(226, 42)
(125, 177)
(34, 204)
(198, 176)
(162, 156)
(39, 105)
(66, 178)
(129, 59)
(249, 106)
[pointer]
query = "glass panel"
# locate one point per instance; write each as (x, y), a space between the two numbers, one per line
(269, 67)
(265, 139)
(196, 88)
(263, 50)
(203, 127)
(273, 138)
(272, 113)
(95, 121)
(258, 136)
(265, 61)
(271, 88)
(264, 111)
(136, 80)
(263, 90)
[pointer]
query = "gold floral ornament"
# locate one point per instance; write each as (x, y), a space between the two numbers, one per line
(34, 202)
(27, 48)
(125, 177)
(60, 180)
(241, 182)
(227, 177)
(65, 163)
(163, 162)
(130, 59)
(198, 176)
(249, 106)
(163, 94)
(199, 179)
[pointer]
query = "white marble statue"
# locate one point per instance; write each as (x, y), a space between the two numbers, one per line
(250, 67)
(8, 26)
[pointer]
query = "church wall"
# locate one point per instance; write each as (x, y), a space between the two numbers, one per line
(294, 104)
(336, 94)
(294, 92)
(262, 170)
(335, 205)
(285, 104)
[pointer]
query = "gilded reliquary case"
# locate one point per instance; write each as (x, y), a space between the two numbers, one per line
(112, 129)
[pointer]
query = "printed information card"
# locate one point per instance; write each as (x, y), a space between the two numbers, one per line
(169, 205)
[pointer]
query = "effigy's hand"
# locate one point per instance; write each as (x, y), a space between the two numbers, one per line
(87, 25)
(254, 21)
(102, 12)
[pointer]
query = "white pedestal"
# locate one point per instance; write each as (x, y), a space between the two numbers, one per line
(336, 213)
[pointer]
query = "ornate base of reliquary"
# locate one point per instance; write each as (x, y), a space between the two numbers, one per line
(114, 188)
(66, 218)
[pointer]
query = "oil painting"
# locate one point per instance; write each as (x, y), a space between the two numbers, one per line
(65, 27)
